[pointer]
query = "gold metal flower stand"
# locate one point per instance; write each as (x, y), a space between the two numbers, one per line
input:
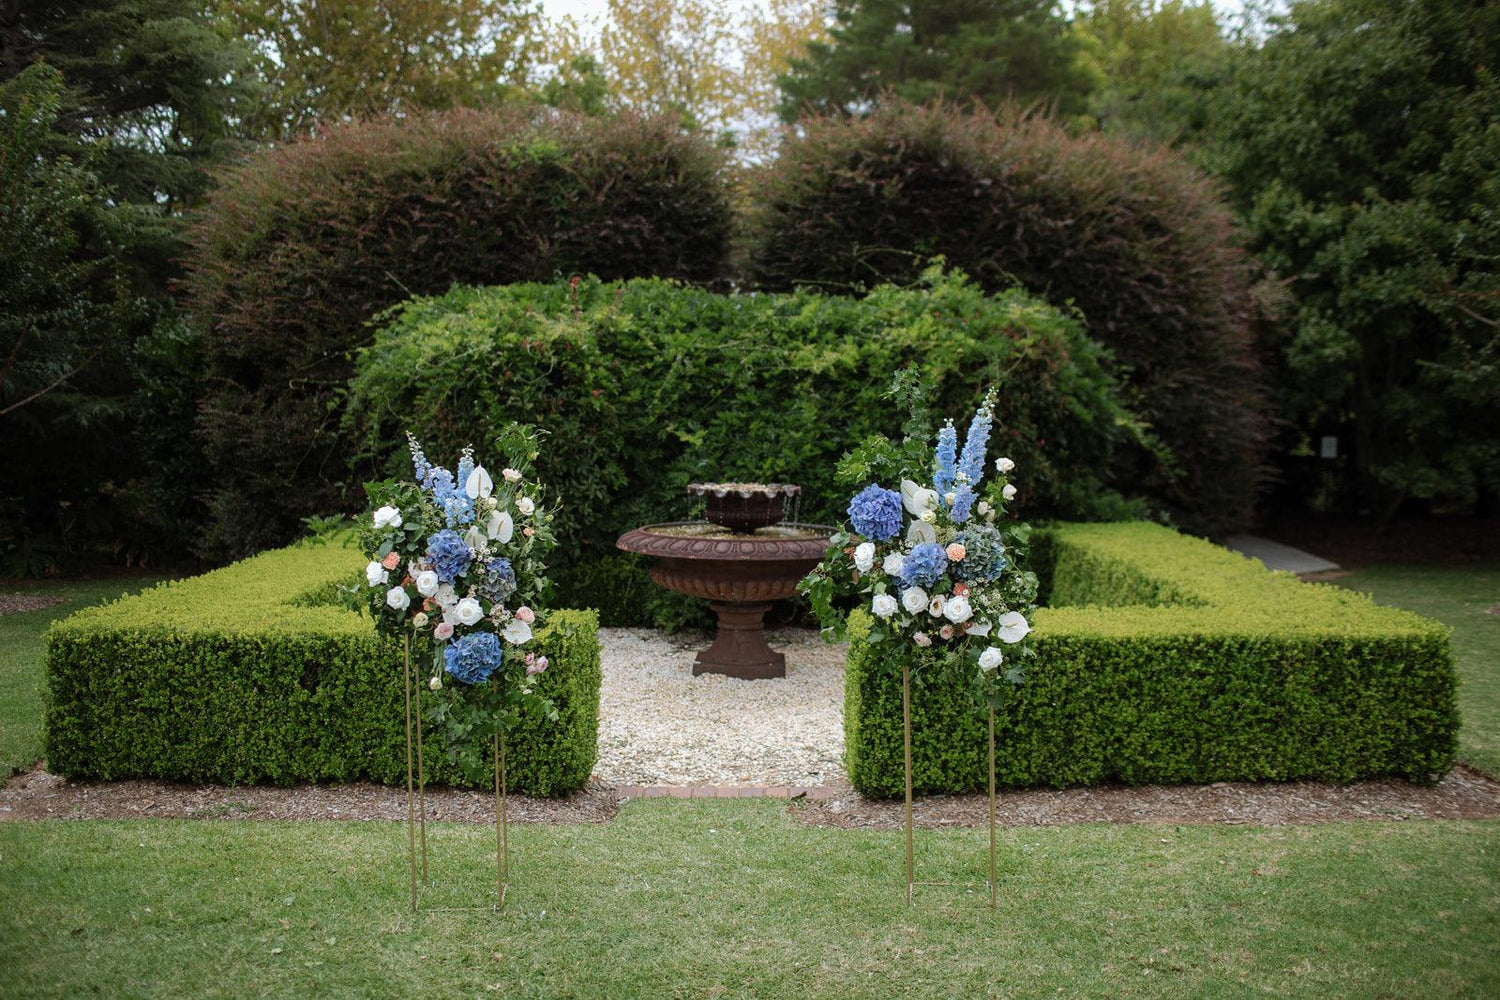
(416, 808)
(906, 725)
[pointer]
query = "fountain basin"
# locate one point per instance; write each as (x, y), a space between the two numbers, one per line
(739, 574)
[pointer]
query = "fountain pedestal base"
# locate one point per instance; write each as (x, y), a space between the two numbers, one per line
(739, 649)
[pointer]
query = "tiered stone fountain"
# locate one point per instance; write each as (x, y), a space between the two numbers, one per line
(740, 559)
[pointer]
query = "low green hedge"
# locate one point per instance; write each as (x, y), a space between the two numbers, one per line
(1165, 659)
(251, 674)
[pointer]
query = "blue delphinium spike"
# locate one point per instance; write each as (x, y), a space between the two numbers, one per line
(947, 448)
(971, 465)
(418, 460)
(963, 503)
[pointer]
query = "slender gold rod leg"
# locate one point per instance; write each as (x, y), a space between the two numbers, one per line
(993, 890)
(906, 724)
(411, 833)
(502, 837)
(421, 783)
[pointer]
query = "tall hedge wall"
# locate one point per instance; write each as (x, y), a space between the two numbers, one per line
(645, 386)
(1166, 659)
(301, 245)
(246, 676)
(1135, 239)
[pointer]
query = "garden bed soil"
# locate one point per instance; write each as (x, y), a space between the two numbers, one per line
(16, 604)
(1463, 794)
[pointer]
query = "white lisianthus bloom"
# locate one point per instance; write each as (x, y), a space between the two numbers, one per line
(919, 532)
(446, 596)
(1013, 627)
(517, 633)
(977, 628)
(526, 506)
(982, 508)
(468, 611)
(1003, 464)
(929, 516)
(427, 583)
(883, 606)
(914, 599)
(921, 638)
(480, 484)
(991, 658)
(1009, 492)
(376, 574)
(436, 684)
(510, 475)
(917, 499)
(949, 497)
(419, 620)
(397, 599)
(387, 517)
(894, 563)
(502, 527)
(957, 610)
(864, 556)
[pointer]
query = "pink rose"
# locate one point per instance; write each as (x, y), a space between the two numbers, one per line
(444, 630)
(956, 552)
(391, 561)
(946, 631)
(526, 614)
(921, 639)
(528, 532)
(536, 666)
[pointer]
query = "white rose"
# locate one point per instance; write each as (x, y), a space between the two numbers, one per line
(480, 484)
(419, 619)
(1013, 627)
(920, 531)
(387, 517)
(517, 633)
(914, 599)
(864, 556)
(935, 606)
(977, 628)
(982, 507)
(511, 475)
(501, 527)
(446, 596)
(397, 599)
(427, 583)
(1009, 492)
(894, 563)
(376, 574)
(957, 610)
(1004, 465)
(884, 605)
(991, 658)
(929, 516)
(526, 505)
(916, 498)
(468, 611)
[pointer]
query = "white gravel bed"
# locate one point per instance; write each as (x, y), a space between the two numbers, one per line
(660, 725)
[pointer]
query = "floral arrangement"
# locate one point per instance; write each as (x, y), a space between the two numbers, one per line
(937, 562)
(457, 567)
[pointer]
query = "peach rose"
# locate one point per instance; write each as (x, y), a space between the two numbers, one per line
(956, 552)
(391, 560)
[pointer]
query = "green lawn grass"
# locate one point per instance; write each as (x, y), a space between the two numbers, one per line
(22, 670)
(1458, 596)
(735, 898)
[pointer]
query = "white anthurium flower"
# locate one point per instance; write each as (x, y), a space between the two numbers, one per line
(446, 596)
(958, 610)
(387, 517)
(475, 538)
(991, 658)
(480, 484)
(894, 563)
(1004, 464)
(468, 611)
(510, 475)
(517, 633)
(501, 527)
(427, 583)
(883, 605)
(914, 599)
(917, 499)
(864, 556)
(397, 599)
(526, 506)
(1008, 492)
(919, 532)
(935, 606)
(376, 574)
(1013, 627)
(977, 628)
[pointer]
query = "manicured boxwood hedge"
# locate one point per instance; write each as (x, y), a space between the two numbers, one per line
(249, 675)
(1165, 659)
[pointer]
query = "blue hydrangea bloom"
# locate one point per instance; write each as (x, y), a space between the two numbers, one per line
(963, 503)
(924, 564)
(448, 555)
(474, 657)
(984, 554)
(499, 580)
(875, 512)
(972, 462)
(943, 467)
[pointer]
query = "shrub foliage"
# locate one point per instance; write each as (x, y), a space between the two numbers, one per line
(1134, 239)
(646, 386)
(254, 674)
(1164, 659)
(303, 244)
